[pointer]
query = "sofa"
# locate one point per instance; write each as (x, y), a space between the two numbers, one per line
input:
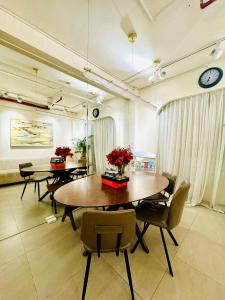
(9, 168)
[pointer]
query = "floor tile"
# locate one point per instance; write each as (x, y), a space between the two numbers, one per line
(188, 284)
(55, 262)
(8, 226)
(203, 254)
(16, 280)
(10, 248)
(211, 225)
(104, 283)
(146, 270)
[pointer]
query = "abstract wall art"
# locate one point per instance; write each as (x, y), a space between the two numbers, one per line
(31, 133)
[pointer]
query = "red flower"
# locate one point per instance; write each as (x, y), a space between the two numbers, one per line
(63, 151)
(120, 156)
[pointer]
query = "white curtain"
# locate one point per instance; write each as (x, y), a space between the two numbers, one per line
(191, 143)
(104, 141)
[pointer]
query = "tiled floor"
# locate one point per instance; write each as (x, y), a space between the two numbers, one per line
(46, 262)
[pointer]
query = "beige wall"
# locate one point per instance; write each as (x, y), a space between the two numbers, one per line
(64, 130)
(119, 110)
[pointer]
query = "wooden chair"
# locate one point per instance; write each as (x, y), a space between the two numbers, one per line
(27, 178)
(163, 217)
(104, 231)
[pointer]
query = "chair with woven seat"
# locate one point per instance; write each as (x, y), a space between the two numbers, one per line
(163, 217)
(104, 231)
(27, 178)
(165, 195)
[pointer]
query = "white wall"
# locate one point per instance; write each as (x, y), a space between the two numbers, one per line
(146, 130)
(181, 86)
(119, 110)
(64, 130)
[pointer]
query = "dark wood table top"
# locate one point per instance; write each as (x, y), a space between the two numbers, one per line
(48, 167)
(89, 191)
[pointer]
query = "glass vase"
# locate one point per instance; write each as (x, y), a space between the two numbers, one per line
(121, 171)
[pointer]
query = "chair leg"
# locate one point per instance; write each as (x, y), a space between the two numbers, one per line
(140, 237)
(35, 186)
(86, 275)
(129, 273)
(166, 252)
(172, 237)
(38, 184)
(24, 190)
(54, 205)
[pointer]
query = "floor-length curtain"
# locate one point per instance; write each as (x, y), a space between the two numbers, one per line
(104, 141)
(191, 143)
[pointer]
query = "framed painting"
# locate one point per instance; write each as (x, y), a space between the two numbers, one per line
(31, 133)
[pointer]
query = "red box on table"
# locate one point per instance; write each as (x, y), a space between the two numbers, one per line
(57, 163)
(115, 183)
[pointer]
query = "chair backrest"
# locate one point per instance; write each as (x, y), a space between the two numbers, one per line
(177, 204)
(23, 173)
(172, 181)
(108, 231)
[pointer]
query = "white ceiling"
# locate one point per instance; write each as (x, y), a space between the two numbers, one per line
(17, 76)
(177, 28)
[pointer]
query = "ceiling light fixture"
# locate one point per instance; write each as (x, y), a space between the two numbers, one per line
(19, 99)
(99, 99)
(217, 52)
(132, 37)
(157, 72)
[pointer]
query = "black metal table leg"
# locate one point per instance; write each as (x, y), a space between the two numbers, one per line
(142, 241)
(69, 212)
(43, 196)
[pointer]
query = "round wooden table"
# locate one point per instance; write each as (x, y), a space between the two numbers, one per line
(62, 175)
(48, 168)
(90, 192)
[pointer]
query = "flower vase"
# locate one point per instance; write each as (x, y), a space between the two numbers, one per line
(121, 171)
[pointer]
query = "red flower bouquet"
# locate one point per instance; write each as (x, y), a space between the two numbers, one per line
(63, 151)
(120, 157)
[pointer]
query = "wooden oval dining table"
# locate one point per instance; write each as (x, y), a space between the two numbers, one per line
(90, 192)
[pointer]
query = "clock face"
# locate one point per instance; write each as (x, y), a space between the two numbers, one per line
(210, 77)
(95, 112)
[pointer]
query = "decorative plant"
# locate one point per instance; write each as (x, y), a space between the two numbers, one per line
(120, 157)
(63, 151)
(80, 145)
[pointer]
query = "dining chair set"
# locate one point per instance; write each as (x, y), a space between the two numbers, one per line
(114, 231)
(53, 181)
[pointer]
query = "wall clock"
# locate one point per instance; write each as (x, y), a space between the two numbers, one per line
(210, 77)
(95, 112)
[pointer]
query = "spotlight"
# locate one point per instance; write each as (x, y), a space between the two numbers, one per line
(19, 99)
(99, 99)
(217, 52)
(161, 74)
